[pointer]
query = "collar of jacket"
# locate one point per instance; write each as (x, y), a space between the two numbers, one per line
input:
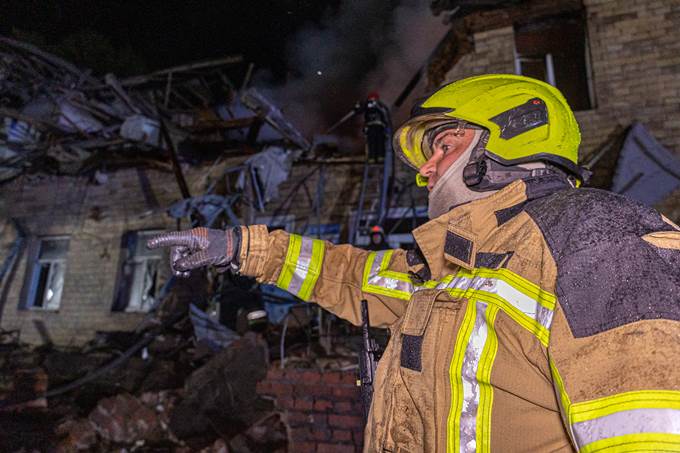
(463, 229)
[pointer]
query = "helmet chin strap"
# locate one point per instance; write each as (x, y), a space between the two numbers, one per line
(483, 174)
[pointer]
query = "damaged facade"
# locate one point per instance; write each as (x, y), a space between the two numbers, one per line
(618, 68)
(615, 61)
(88, 172)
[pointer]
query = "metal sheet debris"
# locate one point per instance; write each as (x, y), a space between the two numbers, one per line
(646, 171)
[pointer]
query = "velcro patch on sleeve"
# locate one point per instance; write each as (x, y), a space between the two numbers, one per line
(459, 249)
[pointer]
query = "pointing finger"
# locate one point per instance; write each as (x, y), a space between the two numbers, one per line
(172, 238)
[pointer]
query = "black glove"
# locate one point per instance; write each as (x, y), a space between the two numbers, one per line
(198, 247)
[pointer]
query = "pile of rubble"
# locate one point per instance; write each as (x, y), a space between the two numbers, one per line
(172, 397)
(182, 382)
(56, 117)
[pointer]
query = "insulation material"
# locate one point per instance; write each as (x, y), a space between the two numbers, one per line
(140, 129)
(211, 332)
(20, 132)
(73, 119)
(272, 167)
(208, 207)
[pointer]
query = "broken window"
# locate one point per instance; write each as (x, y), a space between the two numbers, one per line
(45, 273)
(137, 287)
(555, 50)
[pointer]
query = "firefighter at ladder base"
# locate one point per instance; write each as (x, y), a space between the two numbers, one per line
(534, 315)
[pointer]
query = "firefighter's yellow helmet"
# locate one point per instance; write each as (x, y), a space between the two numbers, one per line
(527, 119)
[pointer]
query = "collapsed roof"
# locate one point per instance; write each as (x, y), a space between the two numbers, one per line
(57, 117)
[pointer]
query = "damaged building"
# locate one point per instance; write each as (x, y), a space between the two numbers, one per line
(89, 203)
(91, 167)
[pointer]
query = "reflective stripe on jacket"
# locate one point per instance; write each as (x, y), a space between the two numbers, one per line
(541, 318)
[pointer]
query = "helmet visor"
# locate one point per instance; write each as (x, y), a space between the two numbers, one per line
(411, 141)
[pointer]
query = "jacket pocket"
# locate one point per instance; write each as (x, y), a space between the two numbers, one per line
(404, 429)
(421, 380)
(413, 328)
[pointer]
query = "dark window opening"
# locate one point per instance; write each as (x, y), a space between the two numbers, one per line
(45, 274)
(555, 50)
(137, 285)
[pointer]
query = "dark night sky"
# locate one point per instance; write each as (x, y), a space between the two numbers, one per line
(314, 58)
(170, 32)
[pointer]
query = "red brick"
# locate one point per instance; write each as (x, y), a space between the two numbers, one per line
(335, 448)
(310, 377)
(348, 377)
(285, 403)
(346, 393)
(341, 435)
(300, 433)
(332, 377)
(317, 419)
(298, 374)
(276, 374)
(303, 404)
(303, 447)
(298, 418)
(320, 433)
(264, 388)
(358, 435)
(313, 390)
(322, 405)
(281, 388)
(343, 407)
(345, 421)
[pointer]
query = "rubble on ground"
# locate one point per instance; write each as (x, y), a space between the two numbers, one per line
(176, 394)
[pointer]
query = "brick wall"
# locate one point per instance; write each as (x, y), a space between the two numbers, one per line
(635, 49)
(635, 55)
(322, 409)
(94, 217)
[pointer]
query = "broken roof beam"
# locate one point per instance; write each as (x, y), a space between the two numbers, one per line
(49, 58)
(141, 79)
(252, 99)
(219, 125)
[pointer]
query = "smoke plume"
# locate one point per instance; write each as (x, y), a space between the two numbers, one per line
(362, 46)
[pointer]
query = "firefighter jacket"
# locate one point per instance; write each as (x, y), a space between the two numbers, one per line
(541, 318)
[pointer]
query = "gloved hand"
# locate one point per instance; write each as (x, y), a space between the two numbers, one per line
(198, 247)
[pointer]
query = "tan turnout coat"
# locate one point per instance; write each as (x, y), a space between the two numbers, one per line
(541, 318)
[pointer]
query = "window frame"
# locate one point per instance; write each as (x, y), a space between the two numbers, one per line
(32, 276)
(549, 59)
(126, 285)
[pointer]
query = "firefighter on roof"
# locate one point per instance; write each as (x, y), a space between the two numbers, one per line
(533, 316)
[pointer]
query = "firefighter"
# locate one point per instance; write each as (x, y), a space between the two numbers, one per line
(376, 239)
(534, 315)
(377, 127)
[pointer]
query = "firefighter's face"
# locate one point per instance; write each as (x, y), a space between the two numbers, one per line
(446, 149)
